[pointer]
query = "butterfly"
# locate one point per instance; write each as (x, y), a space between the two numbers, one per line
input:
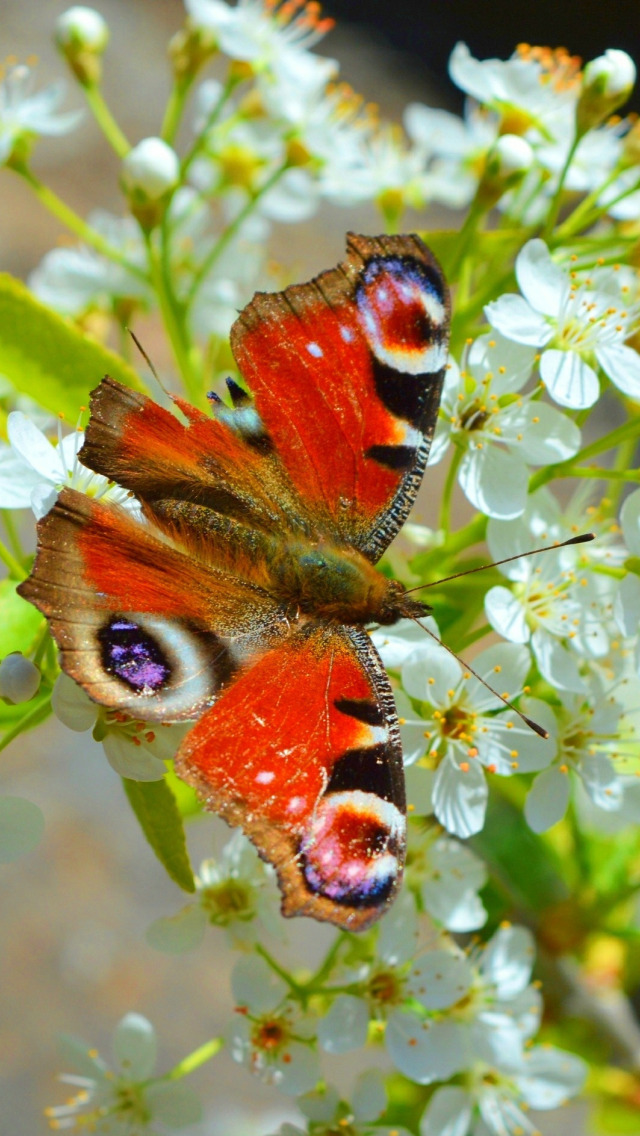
(242, 598)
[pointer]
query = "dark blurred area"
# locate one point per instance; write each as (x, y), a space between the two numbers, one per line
(427, 30)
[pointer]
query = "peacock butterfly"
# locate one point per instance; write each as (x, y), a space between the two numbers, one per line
(243, 599)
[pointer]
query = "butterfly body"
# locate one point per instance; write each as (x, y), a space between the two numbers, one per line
(241, 600)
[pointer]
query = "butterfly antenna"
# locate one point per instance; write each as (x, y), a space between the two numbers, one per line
(583, 539)
(537, 729)
(149, 363)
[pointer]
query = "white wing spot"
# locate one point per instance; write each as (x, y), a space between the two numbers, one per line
(265, 777)
(347, 334)
(296, 804)
(315, 350)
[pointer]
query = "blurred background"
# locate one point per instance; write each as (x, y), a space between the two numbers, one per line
(72, 951)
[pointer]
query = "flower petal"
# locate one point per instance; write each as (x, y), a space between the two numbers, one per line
(369, 1098)
(546, 434)
(550, 1076)
(514, 318)
(71, 705)
(448, 1113)
(507, 960)
(506, 614)
(495, 481)
(547, 800)
(346, 1025)
(558, 665)
(460, 797)
(254, 985)
(176, 934)
(568, 379)
(131, 761)
(17, 480)
(425, 1051)
(601, 781)
(430, 672)
(439, 979)
(135, 1046)
(33, 447)
(626, 607)
(622, 365)
(630, 521)
(541, 281)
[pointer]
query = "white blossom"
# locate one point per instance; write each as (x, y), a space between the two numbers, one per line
(533, 89)
(33, 470)
(274, 37)
(454, 148)
(24, 114)
(555, 601)
(151, 168)
(270, 1034)
(133, 748)
(464, 729)
(82, 27)
(500, 434)
(233, 892)
(579, 323)
(127, 1094)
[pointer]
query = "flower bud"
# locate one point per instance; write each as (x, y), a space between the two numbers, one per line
(19, 678)
(82, 35)
(607, 83)
(507, 163)
(150, 171)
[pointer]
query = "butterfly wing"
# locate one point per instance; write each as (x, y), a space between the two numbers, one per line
(303, 751)
(142, 627)
(347, 374)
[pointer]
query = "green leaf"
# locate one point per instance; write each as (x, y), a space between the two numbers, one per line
(48, 358)
(189, 804)
(157, 811)
(616, 1117)
(20, 621)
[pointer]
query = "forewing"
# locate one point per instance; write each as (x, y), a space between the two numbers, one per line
(303, 751)
(147, 449)
(347, 374)
(142, 627)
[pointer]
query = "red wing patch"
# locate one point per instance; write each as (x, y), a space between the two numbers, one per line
(347, 375)
(314, 774)
(142, 627)
(146, 449)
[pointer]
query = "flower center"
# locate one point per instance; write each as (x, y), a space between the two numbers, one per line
(227, 901)
(270, 1034)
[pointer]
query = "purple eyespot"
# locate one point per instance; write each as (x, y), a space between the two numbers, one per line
(132, 655)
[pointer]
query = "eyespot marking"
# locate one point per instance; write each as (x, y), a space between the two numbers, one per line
(351, 853)
(403, 313)
(133, 655)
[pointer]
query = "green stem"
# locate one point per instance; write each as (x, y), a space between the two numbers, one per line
(326, 966)
(588, 211)
(295, 987)
(465, 236)
(16, 571)
(225, 239)
(444, 518)
(72, 221)
(39, 645)
(105, 120)
(192, 1061)
(213, 116)
(173, 317)
(175, 108)
(607, 442)
(554, 208)
(12, 534)
(600, 473)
